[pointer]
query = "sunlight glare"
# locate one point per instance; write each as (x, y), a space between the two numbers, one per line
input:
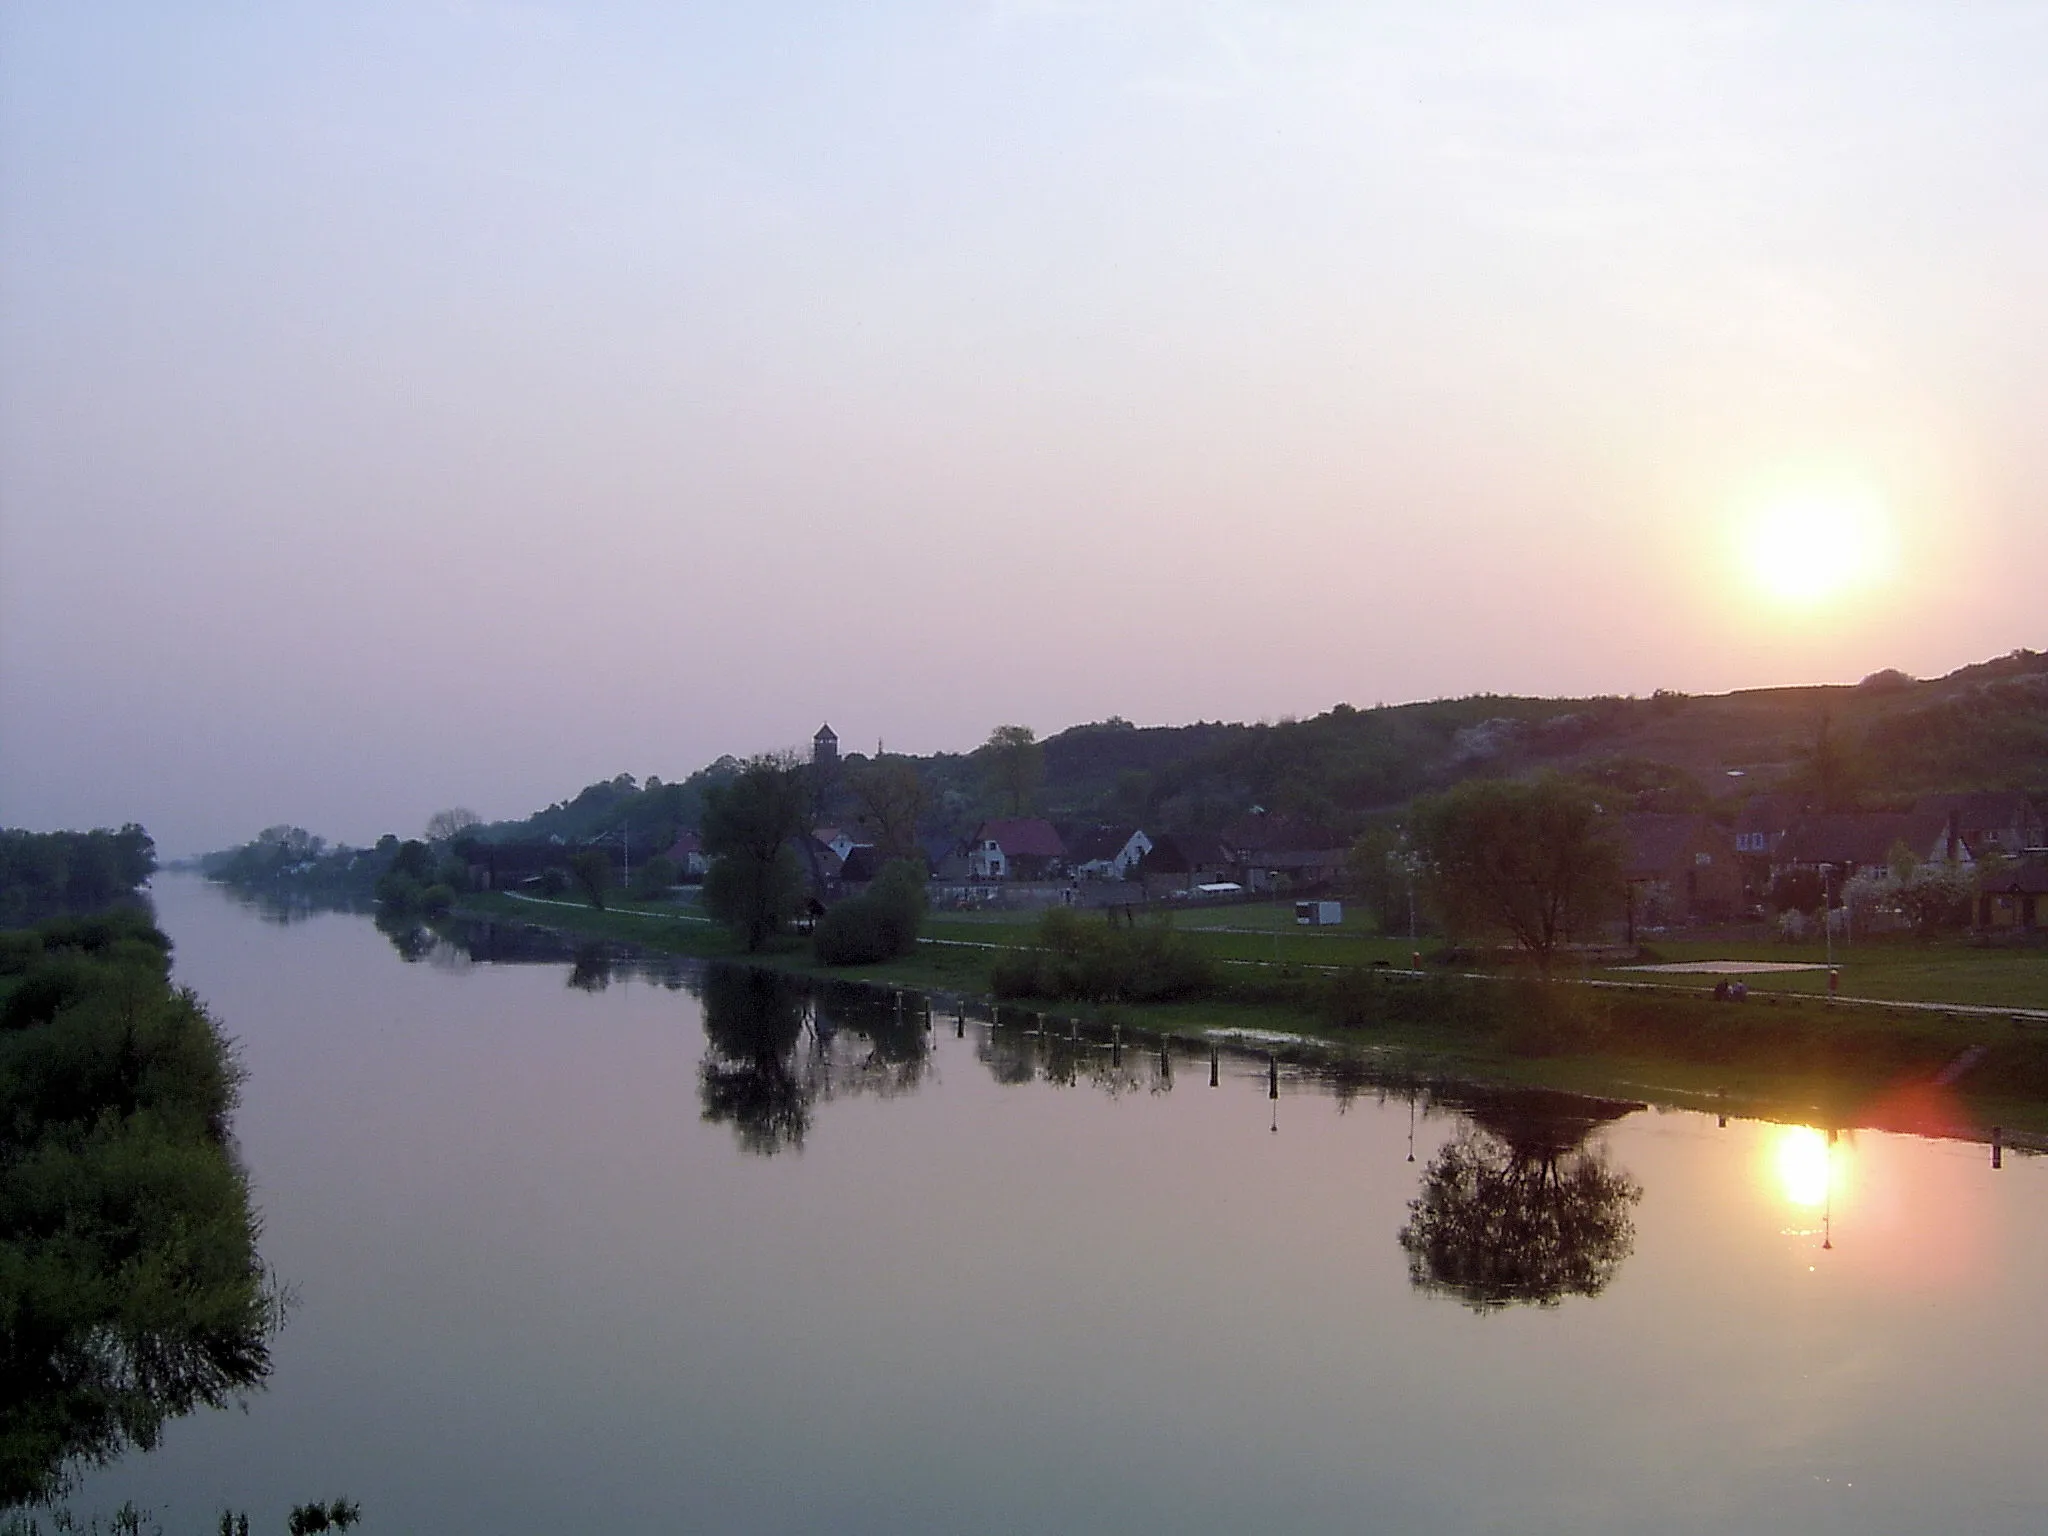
(1803, 1167)
(1803, 550)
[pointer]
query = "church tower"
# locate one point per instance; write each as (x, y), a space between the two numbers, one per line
(825, 748)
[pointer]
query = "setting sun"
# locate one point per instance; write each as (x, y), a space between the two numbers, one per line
(1804, 550)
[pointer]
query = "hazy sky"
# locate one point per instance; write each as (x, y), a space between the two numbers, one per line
(412, 404)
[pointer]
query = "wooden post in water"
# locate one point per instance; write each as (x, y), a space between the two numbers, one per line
(1998, 1146)
(1212, 1063)
(1116, 1045)
(1272, 1076)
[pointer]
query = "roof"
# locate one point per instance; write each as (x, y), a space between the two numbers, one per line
(1183, 855)
(1979, 810)
(825, 733)
(1845, 837)
(2025, 879)
(1269, 833)
(862, 863)
(686, 845)
(1089, 845)
(1653, 842)
(1029, 837)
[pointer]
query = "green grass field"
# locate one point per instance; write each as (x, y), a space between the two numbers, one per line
(1941, 971)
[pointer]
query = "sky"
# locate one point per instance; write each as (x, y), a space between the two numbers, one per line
(412, 405)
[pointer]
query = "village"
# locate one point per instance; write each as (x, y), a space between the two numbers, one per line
(1960, 861)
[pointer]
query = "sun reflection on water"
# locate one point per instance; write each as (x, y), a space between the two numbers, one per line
(1804, 1167)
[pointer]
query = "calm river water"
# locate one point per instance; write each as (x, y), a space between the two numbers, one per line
(608, 1250)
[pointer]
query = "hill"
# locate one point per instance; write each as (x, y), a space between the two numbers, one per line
(1876, 743)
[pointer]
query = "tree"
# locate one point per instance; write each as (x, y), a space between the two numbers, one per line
(446, 826)
(652, 879)
(892, 798)
(1015, 765)
(749, 823)
(1830, 774)
(1533, 861)
(879, 924)
(591, 869)
(1378, 872)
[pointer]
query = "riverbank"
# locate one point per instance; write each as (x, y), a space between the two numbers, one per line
(1926, 1070)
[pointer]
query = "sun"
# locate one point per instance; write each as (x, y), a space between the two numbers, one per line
(1809, 548)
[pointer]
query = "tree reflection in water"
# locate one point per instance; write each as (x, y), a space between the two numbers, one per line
(413, 939)
(592, 969)
(1516, 1209)
(1015, 1057)
(776, 1046)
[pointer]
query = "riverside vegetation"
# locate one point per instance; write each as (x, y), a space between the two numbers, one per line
(131, 1289)
(130, 1283)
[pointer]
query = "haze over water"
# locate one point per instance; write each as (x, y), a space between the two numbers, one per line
(540, 1290)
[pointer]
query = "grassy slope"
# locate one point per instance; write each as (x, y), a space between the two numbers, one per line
(1782, 1055)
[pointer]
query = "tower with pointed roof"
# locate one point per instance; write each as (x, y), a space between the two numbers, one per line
(825, 748)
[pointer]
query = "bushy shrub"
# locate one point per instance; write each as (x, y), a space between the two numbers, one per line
(1352, 998)
(398, 892)
(652, 879)
(1076, 960)
(880, 924)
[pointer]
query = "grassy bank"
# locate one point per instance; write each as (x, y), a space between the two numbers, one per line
(1784, 1055)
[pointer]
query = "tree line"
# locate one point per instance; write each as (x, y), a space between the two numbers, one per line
(45, 874)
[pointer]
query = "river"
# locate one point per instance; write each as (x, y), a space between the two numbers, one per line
(572, 1255)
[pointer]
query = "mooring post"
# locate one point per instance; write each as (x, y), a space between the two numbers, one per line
(1212, 1064)
(1272, 1076)
(1998, 1146)
(1116, 1045)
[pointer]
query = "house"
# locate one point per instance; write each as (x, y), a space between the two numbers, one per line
(1864, 842)
(1268, 850)
(1024, 848)
(862, 864)
(1680, 868)
(1180, 863)
(1988, 822)
(2015, 897)
(1104, 853)
(504, 866)
(945, 857)
(687, 854)
(839, 840)
(1761, 824)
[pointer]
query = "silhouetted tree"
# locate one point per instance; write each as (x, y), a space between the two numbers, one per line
(1015, 764)
(446, 826)
(1535, 862)
(749, 824)
(890, 798)
(591, 869)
